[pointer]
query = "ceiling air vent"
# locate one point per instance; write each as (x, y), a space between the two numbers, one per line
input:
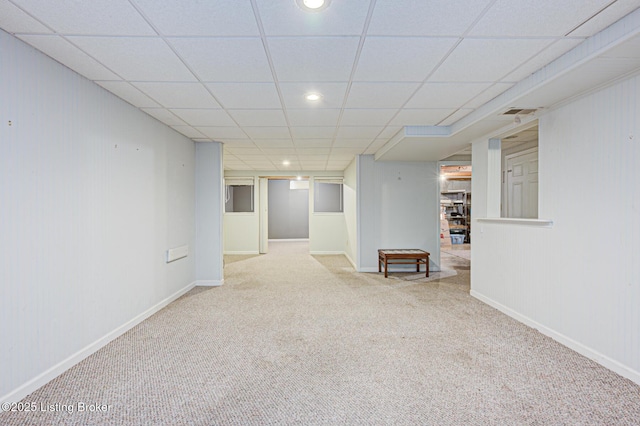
(519, 111)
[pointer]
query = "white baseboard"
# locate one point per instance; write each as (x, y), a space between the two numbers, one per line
(351, 261)
(594, 355)
(209, 283)
(288, 240)
(53, 372)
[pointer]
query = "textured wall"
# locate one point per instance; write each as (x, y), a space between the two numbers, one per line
(92, 194)
(578, 280)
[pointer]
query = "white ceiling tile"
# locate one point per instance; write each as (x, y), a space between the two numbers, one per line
(258, 117)
(258, 156)
(98, 17)
(417, 57)
(136, 58)
(487, 60)
(66, 53)
(343, 153)
(425, 17)
(284, 17)
(14, 20)
(220, 133)
(378, 95)
(366, 117)
(279, 151)
(312, 132)
(246, 95)
(358, 132)
(313, 164)
(313, 117)
(488, 95)
(446, 95)
(260, 164)
(376, 145)
(332, 94)
(202, 18)
(188, 131)
(165, 116)
(549, 54)
(239, 168)
(274, 143)
(240, 151)
(204, 117)
(225, 59)
(390, 131)
(420, 117)
(313, 58)
(179, 95)
(525, 18)
(455, 116)
(313, 143)
(292, 168)
(262, 132)
(612, 13)
(129, 93)
(244, 143)
(337, 165)
(352, 143)
(313, 151)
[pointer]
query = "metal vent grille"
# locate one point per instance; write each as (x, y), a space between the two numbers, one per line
(519, 111)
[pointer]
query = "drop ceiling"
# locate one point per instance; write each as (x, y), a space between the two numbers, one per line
(403, 80)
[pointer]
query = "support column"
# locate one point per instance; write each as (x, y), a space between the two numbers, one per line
(209, 214)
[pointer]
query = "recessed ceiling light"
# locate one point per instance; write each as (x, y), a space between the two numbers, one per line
(313, 5)
(313, 97)
(286, 163)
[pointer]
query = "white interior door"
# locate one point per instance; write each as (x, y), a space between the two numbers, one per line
(263, 208)
(522, 184)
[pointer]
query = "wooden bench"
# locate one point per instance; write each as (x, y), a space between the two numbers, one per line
(402, 257)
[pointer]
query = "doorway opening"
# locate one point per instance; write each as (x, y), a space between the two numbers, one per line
(284, 212)
(455, 214)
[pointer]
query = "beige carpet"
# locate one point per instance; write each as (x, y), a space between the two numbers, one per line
(296, 339)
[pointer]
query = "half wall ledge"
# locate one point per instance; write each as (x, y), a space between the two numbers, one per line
(542, 223)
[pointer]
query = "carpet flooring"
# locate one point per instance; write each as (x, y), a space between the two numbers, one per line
(294, 339)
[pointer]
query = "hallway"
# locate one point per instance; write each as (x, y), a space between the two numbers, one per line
(292, 338)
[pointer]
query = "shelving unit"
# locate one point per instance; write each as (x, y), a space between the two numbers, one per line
(456, 209)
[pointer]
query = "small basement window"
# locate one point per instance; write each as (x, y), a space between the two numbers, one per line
(328, 195)
(238, 195)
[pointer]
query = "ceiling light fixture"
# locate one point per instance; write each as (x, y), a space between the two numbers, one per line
(313, 5)
(286, 163)
(313, 97)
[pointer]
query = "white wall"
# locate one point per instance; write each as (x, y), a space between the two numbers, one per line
(327, 231)
(578, 280)
(385, 190)
(92, 194)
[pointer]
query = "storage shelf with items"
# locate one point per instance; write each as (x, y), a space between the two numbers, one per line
(455, 207)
